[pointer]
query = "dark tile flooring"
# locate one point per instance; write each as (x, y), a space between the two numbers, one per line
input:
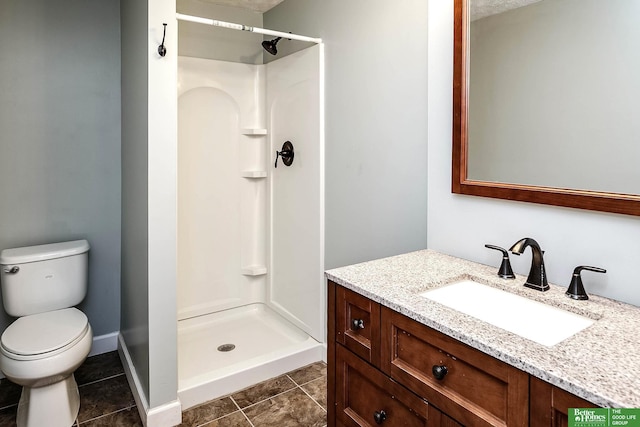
(295, 399)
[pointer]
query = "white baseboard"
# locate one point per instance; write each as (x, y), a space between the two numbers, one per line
(167, 415)
(132, 379)
(104, 344)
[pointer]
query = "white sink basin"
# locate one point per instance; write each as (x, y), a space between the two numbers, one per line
(530, 319)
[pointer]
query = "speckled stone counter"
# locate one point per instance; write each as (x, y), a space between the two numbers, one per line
(600, 364)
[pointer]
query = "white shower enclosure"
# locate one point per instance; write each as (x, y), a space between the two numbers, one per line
(251, 296)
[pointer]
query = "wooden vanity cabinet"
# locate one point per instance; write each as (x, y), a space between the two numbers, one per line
(358, 393)
(550, 404)
(395, 364)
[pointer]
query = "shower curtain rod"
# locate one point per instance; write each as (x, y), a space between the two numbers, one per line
(240, 27)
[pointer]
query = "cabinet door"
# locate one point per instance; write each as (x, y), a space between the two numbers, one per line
(366, 397)
(550, 404)
(471, 387)
(358, 324)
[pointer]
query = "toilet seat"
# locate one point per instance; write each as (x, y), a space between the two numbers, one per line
(44, 335)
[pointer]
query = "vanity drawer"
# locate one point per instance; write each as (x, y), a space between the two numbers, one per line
(476, 390)
(358, 324)
(363, 394)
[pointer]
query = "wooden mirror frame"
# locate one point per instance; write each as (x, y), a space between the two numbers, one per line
(461, 184)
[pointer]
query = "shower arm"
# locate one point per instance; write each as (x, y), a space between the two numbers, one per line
(240, 27)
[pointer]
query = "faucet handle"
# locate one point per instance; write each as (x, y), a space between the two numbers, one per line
(576, 288)
(505, 270)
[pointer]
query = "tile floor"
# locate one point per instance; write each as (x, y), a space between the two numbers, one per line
(295, 399)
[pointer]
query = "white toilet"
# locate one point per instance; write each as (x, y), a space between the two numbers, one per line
(50, 339)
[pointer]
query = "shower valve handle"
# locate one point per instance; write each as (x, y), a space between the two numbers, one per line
(286, 153)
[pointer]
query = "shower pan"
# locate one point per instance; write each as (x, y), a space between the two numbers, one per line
(251, 296)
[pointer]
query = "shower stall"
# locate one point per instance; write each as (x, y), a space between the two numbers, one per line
(251, 297)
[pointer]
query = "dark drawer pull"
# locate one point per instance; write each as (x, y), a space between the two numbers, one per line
(439, 371)
(357, 324)
(379, 417)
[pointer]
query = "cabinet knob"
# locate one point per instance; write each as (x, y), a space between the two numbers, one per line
(379, 416)
(357, 324)
(439, 371)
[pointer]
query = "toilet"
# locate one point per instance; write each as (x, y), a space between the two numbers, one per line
(50, 338)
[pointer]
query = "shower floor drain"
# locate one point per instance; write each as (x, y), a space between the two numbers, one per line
(226, 347)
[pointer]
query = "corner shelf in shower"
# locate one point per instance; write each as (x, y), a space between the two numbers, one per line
(254, 174)
(254, 270)
(253, 131)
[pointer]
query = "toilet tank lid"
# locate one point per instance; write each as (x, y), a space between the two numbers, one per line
(43, 252)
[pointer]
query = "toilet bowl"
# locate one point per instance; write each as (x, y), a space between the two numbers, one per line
(40, 352)
(50, 338)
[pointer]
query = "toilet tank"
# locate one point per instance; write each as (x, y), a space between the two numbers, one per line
(36, 279)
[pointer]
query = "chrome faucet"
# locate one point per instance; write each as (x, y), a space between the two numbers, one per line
(537, 275)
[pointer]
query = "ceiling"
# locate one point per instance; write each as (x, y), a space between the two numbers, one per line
(484, 8)
(479, 8)
(255, 5)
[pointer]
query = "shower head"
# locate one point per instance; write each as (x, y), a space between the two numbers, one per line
(270, 45)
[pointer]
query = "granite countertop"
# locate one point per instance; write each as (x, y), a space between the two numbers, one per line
(600, 364)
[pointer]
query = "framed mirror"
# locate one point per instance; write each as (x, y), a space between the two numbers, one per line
(501, 126)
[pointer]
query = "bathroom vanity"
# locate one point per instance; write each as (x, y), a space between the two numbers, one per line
(398, 358)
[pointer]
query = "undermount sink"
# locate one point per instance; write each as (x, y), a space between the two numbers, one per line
(530, 319)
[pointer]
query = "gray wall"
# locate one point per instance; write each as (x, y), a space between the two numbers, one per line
(206, 41)
(376, 127)
(377, 104)
(135, 187)
(60, 137)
